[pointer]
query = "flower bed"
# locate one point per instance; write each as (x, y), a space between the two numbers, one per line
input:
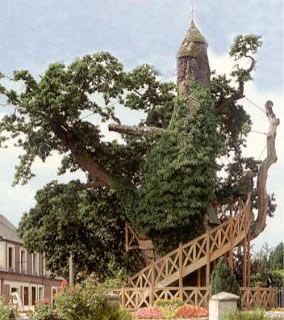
(171, 309)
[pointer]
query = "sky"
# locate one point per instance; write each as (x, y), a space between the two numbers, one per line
(34, 33)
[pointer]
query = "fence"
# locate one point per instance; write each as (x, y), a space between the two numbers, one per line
(280, 297)
(135, 298)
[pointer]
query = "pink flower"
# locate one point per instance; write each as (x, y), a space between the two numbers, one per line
(149, 313)
(64, 283)
(47, 301)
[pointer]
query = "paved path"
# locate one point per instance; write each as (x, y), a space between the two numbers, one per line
(279, 315)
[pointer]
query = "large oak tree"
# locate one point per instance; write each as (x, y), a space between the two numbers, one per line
(165, 174)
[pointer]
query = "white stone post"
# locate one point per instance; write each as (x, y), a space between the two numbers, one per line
(222, 303)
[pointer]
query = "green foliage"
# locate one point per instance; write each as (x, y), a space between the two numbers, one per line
(245, 45)
(223, 280)
(169, 308)
(44, 311)
(7, 311)
(163, 186)
(267, 259)
(86, 303)
(276, 258)
(48, 113)
(254, 315)
(179, 176)
(260, 279)
(90, 223)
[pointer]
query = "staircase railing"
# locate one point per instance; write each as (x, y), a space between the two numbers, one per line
(196, 253)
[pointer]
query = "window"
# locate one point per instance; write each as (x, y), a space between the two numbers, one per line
(26, 296)
(11, 258)
(35, 264)
(23, 261)
(14, 290)
(33, 295)
(40, 293)
(53, 293)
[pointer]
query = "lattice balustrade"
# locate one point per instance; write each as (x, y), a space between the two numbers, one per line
(258, 297)
(131, 238)
(135, 298)
(154, 281)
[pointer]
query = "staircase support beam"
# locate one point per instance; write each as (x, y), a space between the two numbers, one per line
(208, 259)
(180, 271)
(231, 263)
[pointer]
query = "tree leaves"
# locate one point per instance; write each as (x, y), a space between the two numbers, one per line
(89, 223)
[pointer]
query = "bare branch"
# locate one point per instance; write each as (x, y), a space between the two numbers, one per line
(135, 130)
(260, 223)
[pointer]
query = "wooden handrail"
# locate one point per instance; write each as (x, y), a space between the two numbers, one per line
(162, 260)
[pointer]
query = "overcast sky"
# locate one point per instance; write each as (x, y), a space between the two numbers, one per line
(34, 33)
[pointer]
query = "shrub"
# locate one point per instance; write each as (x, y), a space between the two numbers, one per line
(87, 303)
(80, 302)
(223, 280)
(169, 307)
(44, 311)
(7, 311)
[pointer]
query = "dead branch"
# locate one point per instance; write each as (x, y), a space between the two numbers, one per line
(260, 223)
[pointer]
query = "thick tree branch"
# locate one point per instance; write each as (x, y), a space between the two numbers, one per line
(260, 223)
(135, 130)
(83, 157)
(222, 108)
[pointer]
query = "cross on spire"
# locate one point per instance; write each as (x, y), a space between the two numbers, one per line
(192, 12)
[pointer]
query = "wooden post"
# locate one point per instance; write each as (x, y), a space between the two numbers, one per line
(180, 271)
(245, 264)
(151, 300)
(231, 263)
(122, 297)
(71, 269)
(208, 259)
(153, 280)
(126, 237)
(199, 277)
(248, 263)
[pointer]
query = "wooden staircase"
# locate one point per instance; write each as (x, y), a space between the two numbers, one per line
(160, 278)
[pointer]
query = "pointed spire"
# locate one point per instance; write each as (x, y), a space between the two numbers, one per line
(192, 24)
(193, 35)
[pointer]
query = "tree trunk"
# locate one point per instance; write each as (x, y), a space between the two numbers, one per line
(85, 160)
(260, 223)
(71, 270)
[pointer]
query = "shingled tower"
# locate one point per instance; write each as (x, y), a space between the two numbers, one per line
(192, 61)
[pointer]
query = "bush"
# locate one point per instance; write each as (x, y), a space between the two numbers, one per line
(7, 311)
(44, 311)
(223, 279)
(80, 302)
